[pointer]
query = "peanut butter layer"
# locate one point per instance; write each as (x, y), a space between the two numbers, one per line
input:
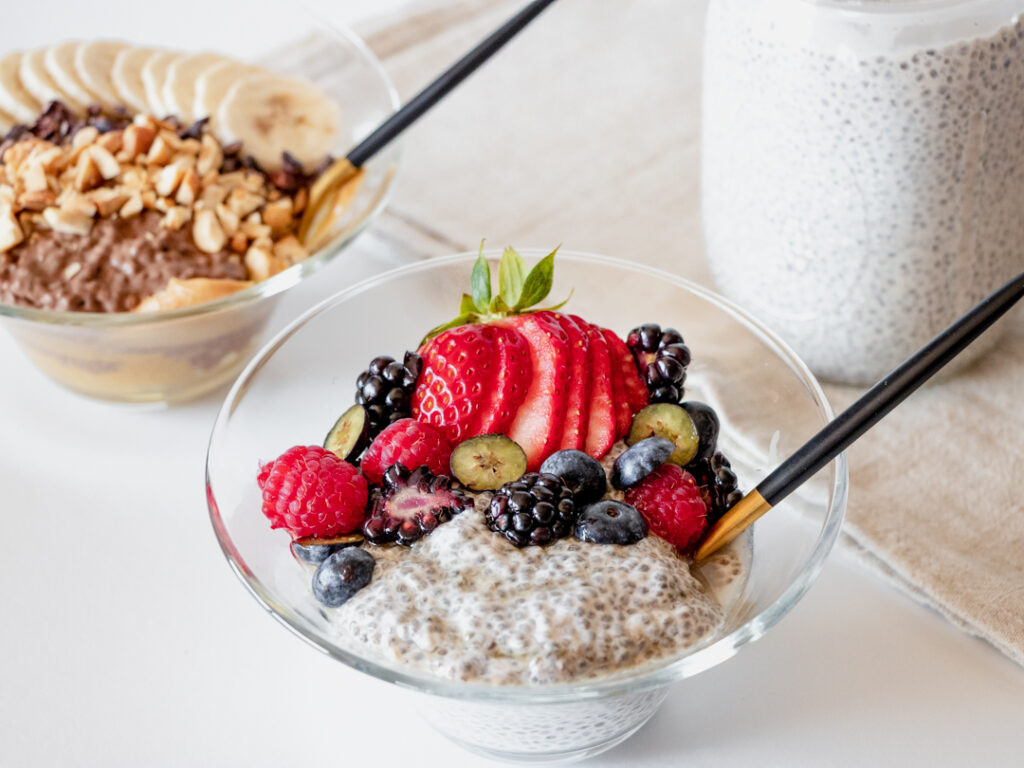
(111, 269)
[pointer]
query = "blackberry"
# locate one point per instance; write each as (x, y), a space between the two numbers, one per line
(661, 357)
(717, 483)
(386, 388)
(535, 509)
(409, 505)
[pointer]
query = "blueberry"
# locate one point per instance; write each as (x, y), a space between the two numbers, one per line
(610, 522)
(581, 472)
(314, 554)
(640, 459)
(706, 421)
(341, 575)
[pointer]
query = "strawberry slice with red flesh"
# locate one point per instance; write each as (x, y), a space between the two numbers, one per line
(456, 383)
(601, 417)
(515, 372)
(537, 426)
(635, 390)
(577, 409)
(620, 404)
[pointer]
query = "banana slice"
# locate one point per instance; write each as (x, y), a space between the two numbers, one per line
(126, 75)
(7, 122)
(38, 81)
(189, 292)
(94, 63)
(271, 114)
(213, 84)
(154, 75)
(59, 61)
(14, 99)
(179, 94)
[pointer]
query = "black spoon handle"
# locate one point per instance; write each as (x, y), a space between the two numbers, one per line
(448, 79)
(861, 416)
(888, 393)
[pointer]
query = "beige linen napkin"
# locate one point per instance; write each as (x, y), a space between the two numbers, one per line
(937, 494)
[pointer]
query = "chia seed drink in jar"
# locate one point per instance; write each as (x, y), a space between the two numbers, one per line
(863, 168)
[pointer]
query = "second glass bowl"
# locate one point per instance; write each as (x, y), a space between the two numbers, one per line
(180, 354)
(768, 401)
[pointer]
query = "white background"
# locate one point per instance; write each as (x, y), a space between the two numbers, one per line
(127, 641)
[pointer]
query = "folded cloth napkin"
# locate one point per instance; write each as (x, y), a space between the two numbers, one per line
(937, 494)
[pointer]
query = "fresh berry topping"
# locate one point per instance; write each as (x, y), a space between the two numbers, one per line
(350, 434)
(601, 423)
(511, 382)
(314, 551)
(610, 522)
(487, 462)
(671, 502)
(311, 492)
(577, 406)
(341, 575)
(408, 442)
(536, 509)
(537, 426)
(718, 484)
(640, 459)
(411, 504)
(620, 403)
(670, 421)
(634, 389)
(458, 372)
(582, 473)
(705, 420)
(386, 388)
(662, 357)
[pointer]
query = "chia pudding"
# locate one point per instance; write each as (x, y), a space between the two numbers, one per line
(462, 604)
(863, 169)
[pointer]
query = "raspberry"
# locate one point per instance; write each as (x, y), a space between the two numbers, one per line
(311, 492)
(671, 502)
(410, 443)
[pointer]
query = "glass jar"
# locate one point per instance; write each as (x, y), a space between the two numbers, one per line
(863, 169)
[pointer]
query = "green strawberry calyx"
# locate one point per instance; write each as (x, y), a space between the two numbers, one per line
(519, 291)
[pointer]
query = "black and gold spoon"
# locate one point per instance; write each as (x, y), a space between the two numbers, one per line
(860, 417)
(329, 196)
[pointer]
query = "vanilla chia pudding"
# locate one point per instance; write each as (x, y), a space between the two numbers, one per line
(863, 168)
(463, 604)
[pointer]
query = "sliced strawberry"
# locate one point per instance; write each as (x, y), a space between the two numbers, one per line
(515, 372)
(455, 386)
(601, 418)
(577, 409)
(537, 426)
(620, 405)
(635, 390)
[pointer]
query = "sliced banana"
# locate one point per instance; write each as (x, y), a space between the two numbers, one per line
(14, 99)
(94, 63)
(189, 292)
(126, 75)
(271, 114)
(213, 84)
(59, 61)
(38, 81)
(154, 75)
(7, 121)
(179, 94)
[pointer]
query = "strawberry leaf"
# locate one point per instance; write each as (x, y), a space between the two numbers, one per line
(468, 305)
(498, 306)
(553, 307)
(537, 285)
(481, 282)
(511, 273)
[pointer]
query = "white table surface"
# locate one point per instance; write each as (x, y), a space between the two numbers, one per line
(127, 641)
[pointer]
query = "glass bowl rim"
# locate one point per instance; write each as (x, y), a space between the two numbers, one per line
(645, 677)
(273, 285)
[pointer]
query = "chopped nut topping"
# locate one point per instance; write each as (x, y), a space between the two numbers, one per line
(207, 232)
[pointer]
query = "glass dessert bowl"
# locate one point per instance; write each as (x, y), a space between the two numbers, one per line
(768, 402)
(194, 340)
